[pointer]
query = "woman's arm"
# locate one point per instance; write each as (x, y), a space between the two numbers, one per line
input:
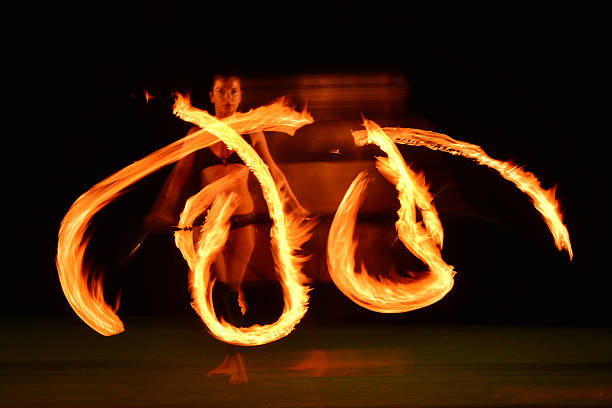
(261, 147)
(164, 212)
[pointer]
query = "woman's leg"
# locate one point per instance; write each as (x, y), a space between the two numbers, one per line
(237, 254)
(230, 268)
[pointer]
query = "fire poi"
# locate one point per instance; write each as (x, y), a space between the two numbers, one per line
(288, 232)
(424, 240)
(87, 300)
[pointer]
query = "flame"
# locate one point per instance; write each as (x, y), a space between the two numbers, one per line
(288, 233)
(543, 200)
(424, 240)
(88, 300)
(148, 95)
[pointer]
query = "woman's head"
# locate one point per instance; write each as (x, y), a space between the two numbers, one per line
(225, 95)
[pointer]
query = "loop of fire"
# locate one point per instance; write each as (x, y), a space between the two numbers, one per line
(395, 294)
(288, 233)
(86, 295)
(418, 225)
(398, 294)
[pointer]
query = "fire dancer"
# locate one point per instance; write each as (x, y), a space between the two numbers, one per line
(208, 165)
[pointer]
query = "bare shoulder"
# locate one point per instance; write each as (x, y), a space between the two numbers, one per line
(257, 138)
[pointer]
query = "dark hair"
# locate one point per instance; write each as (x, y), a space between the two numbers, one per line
(225, 75)
(199, 91)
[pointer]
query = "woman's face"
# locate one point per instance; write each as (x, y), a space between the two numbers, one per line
(226, 95)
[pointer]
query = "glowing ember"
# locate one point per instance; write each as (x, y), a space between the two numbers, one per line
(543, 200)
(88, 300)
(424, 240)
(288, 233)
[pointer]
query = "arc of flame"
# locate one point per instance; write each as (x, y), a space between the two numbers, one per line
(288, 233)
(543, 200)
(424, 240)
(88, 300)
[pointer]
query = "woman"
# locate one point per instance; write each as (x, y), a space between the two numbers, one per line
(210, 165)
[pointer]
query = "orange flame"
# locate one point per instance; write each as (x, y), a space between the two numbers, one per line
(288, 233)
(88, 300)
(148, 95)
(543, 200)
(424, 239)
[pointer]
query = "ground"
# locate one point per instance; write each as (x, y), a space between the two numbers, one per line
(161, 362)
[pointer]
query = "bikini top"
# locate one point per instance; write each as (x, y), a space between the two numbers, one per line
(206, 157)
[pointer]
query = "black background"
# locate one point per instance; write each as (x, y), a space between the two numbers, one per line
(519, 80)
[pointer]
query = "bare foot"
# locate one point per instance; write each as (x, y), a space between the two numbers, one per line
(225, 368)
(239, 376)
(232, 365)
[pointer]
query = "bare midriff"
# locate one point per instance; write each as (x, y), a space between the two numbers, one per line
(213, 173)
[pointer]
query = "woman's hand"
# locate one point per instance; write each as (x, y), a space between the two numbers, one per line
(293, 204)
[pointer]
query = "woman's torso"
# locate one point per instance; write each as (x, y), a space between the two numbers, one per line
(218, 161)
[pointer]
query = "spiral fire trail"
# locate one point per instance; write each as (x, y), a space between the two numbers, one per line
(543, 200)
(424, 240)
(288, 233)
(88, 300)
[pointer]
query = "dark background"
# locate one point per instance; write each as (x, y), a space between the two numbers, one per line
(516, 79)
